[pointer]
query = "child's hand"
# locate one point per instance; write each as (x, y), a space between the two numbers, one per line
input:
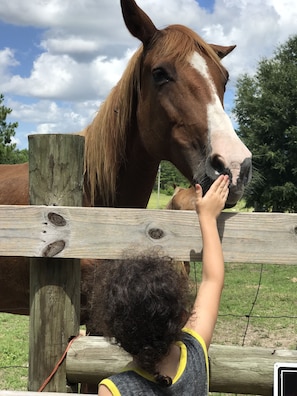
(214, 200)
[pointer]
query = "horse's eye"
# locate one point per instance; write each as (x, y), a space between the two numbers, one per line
(160, 76)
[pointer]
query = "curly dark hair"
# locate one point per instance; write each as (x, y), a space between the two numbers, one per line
(145, 302)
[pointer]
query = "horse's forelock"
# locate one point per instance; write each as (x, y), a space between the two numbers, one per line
(105, 137)
(179, 42)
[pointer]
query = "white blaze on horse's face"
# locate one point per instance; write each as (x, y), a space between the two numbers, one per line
(224, 143)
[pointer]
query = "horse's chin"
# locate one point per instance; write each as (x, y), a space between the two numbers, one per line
(235, 194)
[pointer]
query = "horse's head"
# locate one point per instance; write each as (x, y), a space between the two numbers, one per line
(180, 104)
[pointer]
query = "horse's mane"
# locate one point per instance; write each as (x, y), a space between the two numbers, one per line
(105, 137)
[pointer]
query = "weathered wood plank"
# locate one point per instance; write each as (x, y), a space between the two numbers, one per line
(247, 370)
(106, 232)
(56, 173)
(93, 358)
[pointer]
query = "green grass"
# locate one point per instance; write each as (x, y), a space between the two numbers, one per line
(160, 202)
(14, 346)
(273, 313)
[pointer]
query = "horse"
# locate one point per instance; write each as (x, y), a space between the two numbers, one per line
(182, 199)
(168, 105)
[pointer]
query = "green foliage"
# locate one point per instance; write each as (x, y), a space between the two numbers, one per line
(8, 152)
(266, 111)
(16, 156)
(169, 177)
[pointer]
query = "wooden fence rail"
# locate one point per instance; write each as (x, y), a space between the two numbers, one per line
(74, 232)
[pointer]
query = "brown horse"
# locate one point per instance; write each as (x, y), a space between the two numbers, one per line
(182, 199)
(167, 105)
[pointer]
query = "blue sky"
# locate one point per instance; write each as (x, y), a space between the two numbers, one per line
(25, 41)
(207, 4)
(59, 60)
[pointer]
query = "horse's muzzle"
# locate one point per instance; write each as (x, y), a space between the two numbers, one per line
(239, 174)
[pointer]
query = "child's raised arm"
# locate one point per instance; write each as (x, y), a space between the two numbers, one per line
(206, 306)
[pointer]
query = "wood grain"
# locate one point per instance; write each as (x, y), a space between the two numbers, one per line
(105, 232)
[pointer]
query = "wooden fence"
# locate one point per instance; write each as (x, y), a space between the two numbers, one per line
(52, 234)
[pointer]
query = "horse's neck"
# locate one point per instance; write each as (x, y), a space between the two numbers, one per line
(136, 178)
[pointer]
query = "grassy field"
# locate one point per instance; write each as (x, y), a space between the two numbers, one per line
(14, 346)
(273, 320)
(158, 202)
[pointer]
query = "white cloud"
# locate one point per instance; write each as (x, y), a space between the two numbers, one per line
(45, 112)
(70, 45)
(63, 78)
(7, 60)
(252, 25)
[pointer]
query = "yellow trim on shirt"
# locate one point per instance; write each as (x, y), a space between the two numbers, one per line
(202, 342)
(110, 386)
(182, 361)
(180, 370)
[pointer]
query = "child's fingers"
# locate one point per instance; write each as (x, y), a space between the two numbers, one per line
(225, 185)
(220, 188)
(198, 189)
(217, 183)
(221, 183)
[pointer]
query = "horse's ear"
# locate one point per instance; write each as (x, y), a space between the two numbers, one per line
(137, 22)
(221, 50)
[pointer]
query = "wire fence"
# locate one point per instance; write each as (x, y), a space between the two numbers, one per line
(258, 310)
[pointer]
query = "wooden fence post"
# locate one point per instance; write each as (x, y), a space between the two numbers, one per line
(56, 166)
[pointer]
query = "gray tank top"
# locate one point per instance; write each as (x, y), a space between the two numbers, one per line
(191, 378)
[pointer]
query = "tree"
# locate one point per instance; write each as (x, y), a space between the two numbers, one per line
(169, 177)
(266, 112)
(8, 152)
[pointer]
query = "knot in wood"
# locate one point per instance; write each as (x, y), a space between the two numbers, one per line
(295, 230)
(53, 249)
(156, 233)
(56, 219)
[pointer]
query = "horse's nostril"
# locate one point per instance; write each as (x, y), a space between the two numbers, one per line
(218, 165)
(215, 166)
(239, 173)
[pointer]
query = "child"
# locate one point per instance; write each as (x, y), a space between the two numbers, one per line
(146, 312)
